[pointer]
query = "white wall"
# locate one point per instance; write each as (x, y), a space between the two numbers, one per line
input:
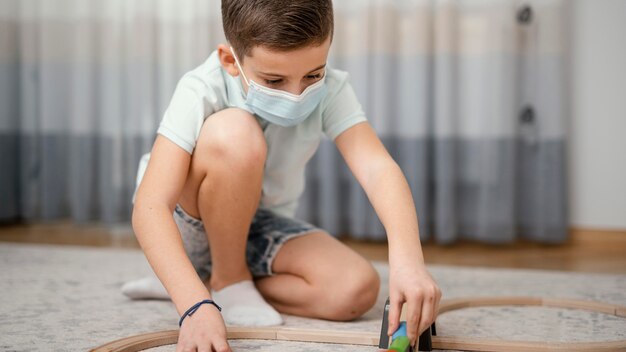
(597, 144)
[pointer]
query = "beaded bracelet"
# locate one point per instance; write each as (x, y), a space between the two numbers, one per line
(195, 307)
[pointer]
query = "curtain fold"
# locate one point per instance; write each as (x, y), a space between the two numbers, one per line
(468, 96)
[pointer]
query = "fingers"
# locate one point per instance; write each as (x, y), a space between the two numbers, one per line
(429, 308)
(421, 310)
(183, 348)
(437, 300)
(216, 347)
(414, 312)
(395, 308)
(186, 348)
(221, 347)
(426, 317)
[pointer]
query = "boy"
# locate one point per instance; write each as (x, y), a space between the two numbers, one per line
(228, 163)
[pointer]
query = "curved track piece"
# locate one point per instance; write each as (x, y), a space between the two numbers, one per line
(150, 340)
(155, 339)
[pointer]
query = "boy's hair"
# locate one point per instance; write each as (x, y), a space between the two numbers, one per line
(276, 24)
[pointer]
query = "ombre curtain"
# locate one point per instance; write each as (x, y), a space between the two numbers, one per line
(468, 96)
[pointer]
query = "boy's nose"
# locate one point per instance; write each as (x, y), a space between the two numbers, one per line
(296, 89)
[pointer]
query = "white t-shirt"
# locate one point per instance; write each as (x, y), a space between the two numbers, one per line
(208, 89)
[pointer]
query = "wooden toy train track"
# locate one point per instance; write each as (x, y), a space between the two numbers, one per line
(151, 340)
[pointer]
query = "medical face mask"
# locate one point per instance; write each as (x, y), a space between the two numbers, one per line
(280, 107)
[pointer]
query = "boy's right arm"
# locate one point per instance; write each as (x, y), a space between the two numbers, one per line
(161, 242)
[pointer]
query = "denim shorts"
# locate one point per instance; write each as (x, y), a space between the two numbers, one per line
(268, 232)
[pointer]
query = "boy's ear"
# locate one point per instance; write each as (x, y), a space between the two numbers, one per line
(227, 59)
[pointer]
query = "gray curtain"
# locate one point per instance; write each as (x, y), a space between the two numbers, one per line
(468, 96)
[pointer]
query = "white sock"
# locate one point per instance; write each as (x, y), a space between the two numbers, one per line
(243, 305)
(147, 288)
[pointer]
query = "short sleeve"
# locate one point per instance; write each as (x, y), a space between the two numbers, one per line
(342, 111)
(191, 103)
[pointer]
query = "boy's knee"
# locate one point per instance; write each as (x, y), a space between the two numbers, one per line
(233, 134)
(353, 296)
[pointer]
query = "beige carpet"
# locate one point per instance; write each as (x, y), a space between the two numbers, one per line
(57, 298)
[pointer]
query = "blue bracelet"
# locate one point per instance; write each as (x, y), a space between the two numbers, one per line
(195, 307)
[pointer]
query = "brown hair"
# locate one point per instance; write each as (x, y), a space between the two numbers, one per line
(276, 24)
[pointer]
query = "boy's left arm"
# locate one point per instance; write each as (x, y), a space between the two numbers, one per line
(390, 195)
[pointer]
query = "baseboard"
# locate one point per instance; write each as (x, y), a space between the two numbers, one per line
(585, 235)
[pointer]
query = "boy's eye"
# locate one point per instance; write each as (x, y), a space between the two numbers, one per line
(273, 81)
(315, 76)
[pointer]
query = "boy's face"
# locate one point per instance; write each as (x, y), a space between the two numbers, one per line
(291, 71)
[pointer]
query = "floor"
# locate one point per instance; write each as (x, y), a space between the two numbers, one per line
(586, 251)
(59, 296)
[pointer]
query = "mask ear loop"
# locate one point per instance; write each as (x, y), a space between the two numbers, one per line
(239, 66)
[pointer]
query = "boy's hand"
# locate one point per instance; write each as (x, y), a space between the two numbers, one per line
(204, 331)
(410, 282)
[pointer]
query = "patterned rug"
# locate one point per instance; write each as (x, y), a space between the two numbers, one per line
(60, 298)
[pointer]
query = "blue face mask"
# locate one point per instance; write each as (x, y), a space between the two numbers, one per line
(280, 107)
